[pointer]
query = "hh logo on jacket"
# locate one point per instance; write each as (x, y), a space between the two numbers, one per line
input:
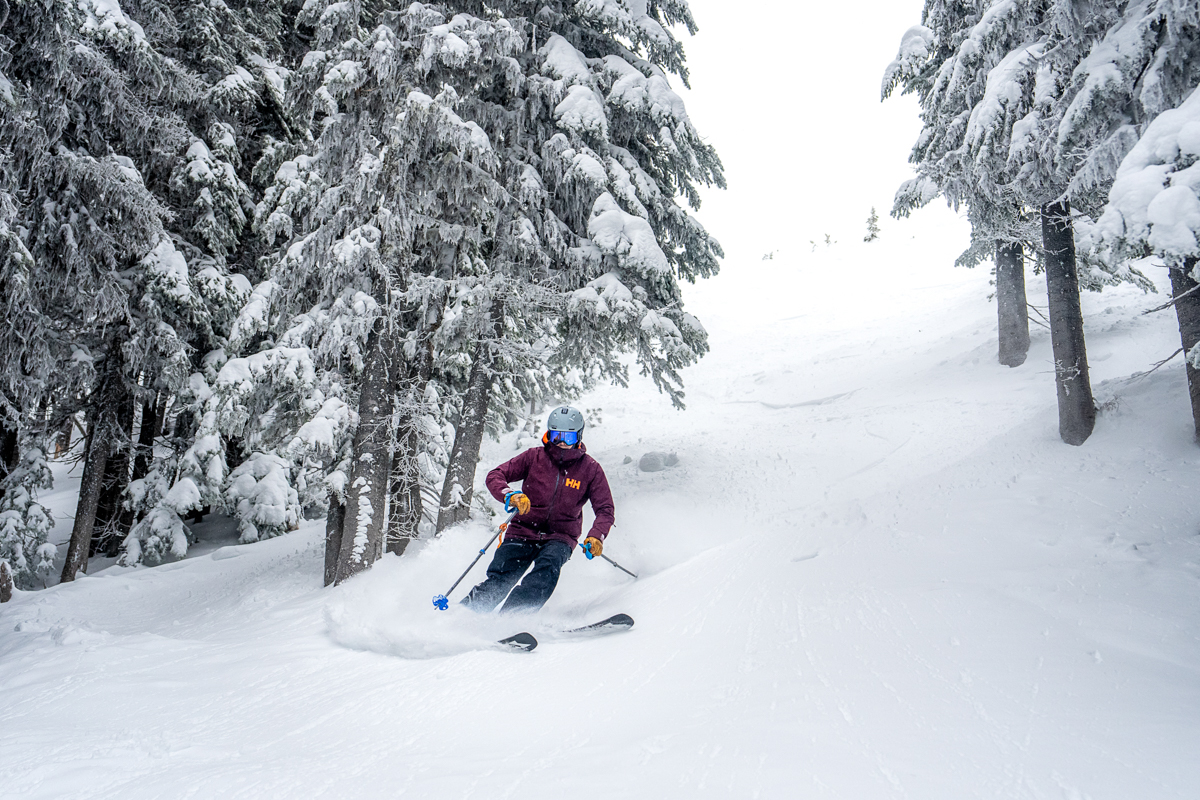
(572, 483)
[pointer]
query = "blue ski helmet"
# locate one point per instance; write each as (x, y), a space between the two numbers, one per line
(565, 418)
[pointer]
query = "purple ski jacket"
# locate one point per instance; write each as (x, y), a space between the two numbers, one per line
(558, 483)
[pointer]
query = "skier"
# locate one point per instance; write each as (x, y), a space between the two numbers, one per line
(557, 479)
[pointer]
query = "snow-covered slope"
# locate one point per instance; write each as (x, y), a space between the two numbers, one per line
(875, 573)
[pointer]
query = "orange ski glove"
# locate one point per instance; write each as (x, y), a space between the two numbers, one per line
(519, 501)
(593, 545)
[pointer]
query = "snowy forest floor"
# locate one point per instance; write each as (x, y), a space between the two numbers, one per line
(876, 572)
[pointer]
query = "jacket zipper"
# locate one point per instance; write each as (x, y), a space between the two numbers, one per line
(554, 495)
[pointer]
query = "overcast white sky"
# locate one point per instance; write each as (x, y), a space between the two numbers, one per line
(789, 94)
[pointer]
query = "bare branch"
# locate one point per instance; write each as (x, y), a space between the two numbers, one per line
(1038, 311)
(1139, 375)
(1171, 302)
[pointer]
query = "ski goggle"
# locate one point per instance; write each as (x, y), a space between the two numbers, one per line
(566, 437)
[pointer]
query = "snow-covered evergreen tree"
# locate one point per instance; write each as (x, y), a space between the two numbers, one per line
(1023, 106)
(947, 61)
(135, 127)
(241, 129)
(872, 226)
(380, 225)
(596, 148)
(88, 111)
(552, 250)
(25, 523)
(1154, 203)
(618, 150)
(1152, 60)
(478, 198)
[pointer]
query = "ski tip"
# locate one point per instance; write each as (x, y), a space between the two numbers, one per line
(614, 623)
(523, 642)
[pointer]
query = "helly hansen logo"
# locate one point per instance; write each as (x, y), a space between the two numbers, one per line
(572, 483)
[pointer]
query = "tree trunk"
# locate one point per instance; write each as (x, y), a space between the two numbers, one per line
(143, 459)
(1187, 310)
(160, 413)
(335, 522)
(459, 486)
(94, 463)
(107, 534)
(371, 459)
(10, 453)
(407, 508)
(1012, 306)
(62, 442)
(6, 582)
(103, 432)
(1076, 408)
(150, 428)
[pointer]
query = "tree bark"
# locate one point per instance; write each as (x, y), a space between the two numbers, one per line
(10, 453)
(1187, 310)
(62, 442)
(150, 428)
(407, 508)
(160, 413)
(1076, 408)
(1012, 306)
(366, 495)
(143, 459)
(6, 582)
(335, 522)
(103, 432)
(94, 463)
(107, 534)
(468, 435)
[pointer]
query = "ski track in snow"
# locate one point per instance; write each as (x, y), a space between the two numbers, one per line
(875, 573)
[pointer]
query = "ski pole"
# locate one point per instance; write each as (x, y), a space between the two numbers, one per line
(442, 601)
(587, 551)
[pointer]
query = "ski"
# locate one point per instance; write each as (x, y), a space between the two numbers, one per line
(519, 641)
(617, 622)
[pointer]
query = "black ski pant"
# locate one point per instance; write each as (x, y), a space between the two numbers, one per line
(509, 564)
